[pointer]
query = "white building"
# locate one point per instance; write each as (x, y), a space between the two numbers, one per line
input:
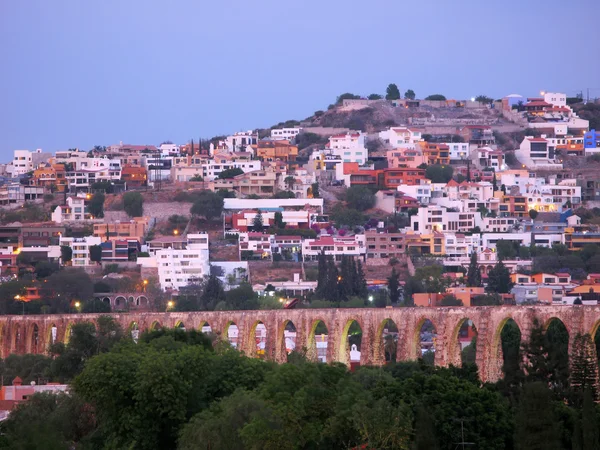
(350, 147)
(401, 137)
(302, 184)
(458, 151)
(460, 245)
(169, 149)
(267, 204)
(421, 192)
(238, 142)
(555, 98)
(335, 246)
(438, 219)
(81, 249)
(287, 134)
(21, 163)
(177, 267)
(489, 240)
(213, 167)
(87, 171)
(537, 153)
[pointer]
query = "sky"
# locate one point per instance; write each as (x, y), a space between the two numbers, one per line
(82, 73)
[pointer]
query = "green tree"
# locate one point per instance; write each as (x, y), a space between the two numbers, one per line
(96, 253)
(589, 426)
(536, 355)
(289, 181)
(230, 173)
(347, 216)
(473, 272)
(438, 173)
(283, 194)
(374, 97)
(207, 204)
(499, 279)
(133, 204)
(213, 293)
(278, 220)
(197, 177)
(424, 431)
(584, 367)
(321, 275)
(257, 222)
(450, 300)
(533, 214)
(484, 99)
(225, 193)
(66, 254)
(495, 183)
(360, 198)
(536, 424)
(96, 205)
(360, 282)
(242, 297)
(394, 287)
(436, 97)
(410, 94)
(315, 190)
(506, 249)
(392, 92)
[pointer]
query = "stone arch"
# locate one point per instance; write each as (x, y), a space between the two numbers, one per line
(494, 355)
(205, 327)
(558, 336)
(134, 331)
(106, 300)
(2, 341)
(120, 301)
(288, 338)
(142, 301)
(419, 343)
(454, 344)
(257, 343)
(318, 344)
(180, 325)
(385, 346)
(33, 339)
(67, 335)
(234, 339)
(17, 339)
(346, 345)
(52, 334)
(155, 325)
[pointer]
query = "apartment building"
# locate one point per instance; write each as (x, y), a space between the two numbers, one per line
(119, 250)
(405, 158)
(401, 137)
(80, 248)
(276, 150)
(435, 153)
(458, 151)
(134, 176)
(385, 245)
(438, 218)
(74, 211)
(211, 168)
(51, 177)
(286, 134)
(335, 246)
(258, 182)
(350, 147)
(255, 245)
(134, 229)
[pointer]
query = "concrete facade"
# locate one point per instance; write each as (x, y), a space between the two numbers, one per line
(33, 334)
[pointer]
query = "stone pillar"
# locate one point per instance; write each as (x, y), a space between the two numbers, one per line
(272, 329)
(369, 341)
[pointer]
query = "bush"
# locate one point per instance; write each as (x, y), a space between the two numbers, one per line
(360, 198)
(133, 203)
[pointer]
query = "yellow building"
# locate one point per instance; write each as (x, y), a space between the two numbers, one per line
(134, 229)
(51, 177)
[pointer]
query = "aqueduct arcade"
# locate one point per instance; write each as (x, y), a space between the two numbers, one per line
(34, 334)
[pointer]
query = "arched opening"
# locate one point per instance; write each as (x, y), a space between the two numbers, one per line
(318, 342)
(34, 339)
(106, 300)
(155, 325)
(52, 334)
(258, 340)
(463, 343)
(350, 344)
(388, 346)
(289, 337)
(142, 301)
(205, 327)
(68, 333)
(596, 337)
(557, 342)
(17, 340)
(426, 339)
(120, 302)
(180, 325)
(134, 331)
(507, 345)
(232, 332)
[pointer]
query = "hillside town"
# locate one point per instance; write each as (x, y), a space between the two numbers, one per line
(437, 211)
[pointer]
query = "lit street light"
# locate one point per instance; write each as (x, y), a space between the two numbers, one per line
(370, 298)
(170, 304)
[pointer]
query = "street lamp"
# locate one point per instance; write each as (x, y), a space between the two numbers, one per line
(145, 283)
(170, 304)
(370, 298)
(175, 232)
(22, 300)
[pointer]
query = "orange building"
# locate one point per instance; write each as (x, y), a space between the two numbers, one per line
(276, 150)
(134, 229)
(134, 176)
(434, 153)
(51, 175)
(513, 205)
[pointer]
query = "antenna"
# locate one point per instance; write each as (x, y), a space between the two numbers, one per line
(462, 442)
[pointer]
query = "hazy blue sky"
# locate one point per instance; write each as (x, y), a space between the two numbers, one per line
(79, 73)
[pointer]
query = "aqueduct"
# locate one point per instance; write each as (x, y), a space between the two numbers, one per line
(33, 334)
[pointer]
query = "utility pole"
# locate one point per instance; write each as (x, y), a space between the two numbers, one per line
(462, 442)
